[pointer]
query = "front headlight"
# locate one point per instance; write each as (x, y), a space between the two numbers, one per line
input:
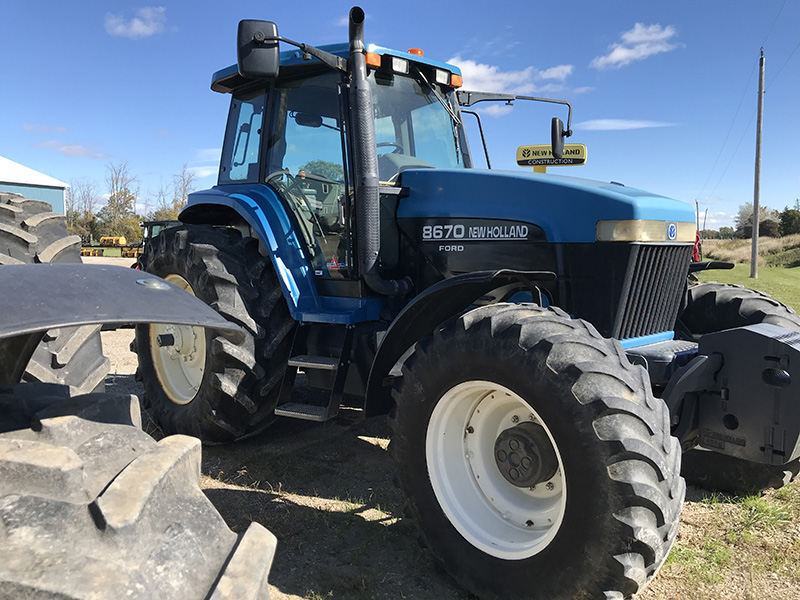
(640, 230)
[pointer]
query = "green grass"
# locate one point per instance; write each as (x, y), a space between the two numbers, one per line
(781, 283)
(705, 563)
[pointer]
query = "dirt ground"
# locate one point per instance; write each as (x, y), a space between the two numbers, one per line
(326, 492)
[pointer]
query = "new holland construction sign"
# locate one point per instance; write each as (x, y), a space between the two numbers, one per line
(542, 156)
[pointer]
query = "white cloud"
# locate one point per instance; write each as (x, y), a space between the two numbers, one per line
(204, 171)
(583, 90)
(637, 44)
(561, 72)
(149, 20)
(43, 128)
(71, 149)
(208, 154)
(619, 125)
(489, 78)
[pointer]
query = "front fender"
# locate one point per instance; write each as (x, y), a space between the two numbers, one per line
(264, 212)
(425, 312)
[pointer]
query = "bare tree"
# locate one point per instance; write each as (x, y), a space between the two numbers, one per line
(182, 185)
(80, 204)
(165, 209)
(119, 215)
(70, 208)
(86, 197)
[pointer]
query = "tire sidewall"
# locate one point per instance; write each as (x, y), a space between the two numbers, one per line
(587, 524)
(168, 255)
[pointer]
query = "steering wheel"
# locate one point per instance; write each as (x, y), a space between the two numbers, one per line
(398, 149)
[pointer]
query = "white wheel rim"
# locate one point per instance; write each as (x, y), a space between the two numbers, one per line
(179, 366)
(495, 516)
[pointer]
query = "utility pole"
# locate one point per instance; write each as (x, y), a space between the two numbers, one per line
(757, 185)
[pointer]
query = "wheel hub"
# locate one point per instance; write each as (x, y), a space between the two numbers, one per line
(525, 456)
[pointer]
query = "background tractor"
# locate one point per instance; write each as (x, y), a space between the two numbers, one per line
(530, 336)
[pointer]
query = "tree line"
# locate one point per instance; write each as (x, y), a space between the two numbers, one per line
(771, 223)
(93, 214)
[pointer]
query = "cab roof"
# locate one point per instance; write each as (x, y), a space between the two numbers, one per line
(229, 80)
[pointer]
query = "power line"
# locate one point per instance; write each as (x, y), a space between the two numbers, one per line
(784, 65)
(738, 108)
(727, 135)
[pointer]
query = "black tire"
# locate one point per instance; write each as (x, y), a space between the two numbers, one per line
(623, 494)
(92, 507)
(31, 233)
(713, 307)
(238, 389)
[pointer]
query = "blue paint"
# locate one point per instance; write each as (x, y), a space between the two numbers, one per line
(567, 208)
(644, 340)
(260, 206)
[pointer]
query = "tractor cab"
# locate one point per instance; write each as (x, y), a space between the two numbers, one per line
(294, 134)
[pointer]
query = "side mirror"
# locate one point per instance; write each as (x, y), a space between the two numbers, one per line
(257, 52)
(308, 120)
(557, 137)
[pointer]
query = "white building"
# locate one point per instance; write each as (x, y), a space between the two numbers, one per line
(18, 178)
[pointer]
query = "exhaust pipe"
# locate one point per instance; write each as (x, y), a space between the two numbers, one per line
(367, 193)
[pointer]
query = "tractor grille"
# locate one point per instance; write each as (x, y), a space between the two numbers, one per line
(651, 294)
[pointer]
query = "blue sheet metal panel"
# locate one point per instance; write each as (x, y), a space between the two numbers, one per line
(263, 210)
(55, 196)
(567, 208)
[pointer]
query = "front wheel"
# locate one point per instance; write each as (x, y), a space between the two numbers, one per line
(535, 460)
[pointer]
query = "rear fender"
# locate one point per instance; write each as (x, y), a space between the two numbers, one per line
(430, 309)
(36, 298)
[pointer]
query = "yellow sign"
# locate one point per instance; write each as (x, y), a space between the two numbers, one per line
(542, 156)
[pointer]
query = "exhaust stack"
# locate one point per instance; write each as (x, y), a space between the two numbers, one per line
(366, 165)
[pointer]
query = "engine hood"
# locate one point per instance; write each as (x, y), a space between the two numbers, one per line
(566, 208)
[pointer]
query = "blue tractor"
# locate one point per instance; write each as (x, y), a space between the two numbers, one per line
(534, 339)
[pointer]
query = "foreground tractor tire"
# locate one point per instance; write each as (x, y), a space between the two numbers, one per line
(91, 507)
(31, 233)
(713, 307)
(203, 384)
(534, 457)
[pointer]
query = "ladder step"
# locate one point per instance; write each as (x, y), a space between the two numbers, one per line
(323, 363)
(307, 412)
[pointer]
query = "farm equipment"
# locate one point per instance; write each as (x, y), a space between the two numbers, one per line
(91, 506)
(532, 337)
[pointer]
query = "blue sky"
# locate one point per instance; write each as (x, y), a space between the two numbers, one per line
(664, 93)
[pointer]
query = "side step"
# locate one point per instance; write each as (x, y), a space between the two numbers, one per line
(306, 412)
(336, 365)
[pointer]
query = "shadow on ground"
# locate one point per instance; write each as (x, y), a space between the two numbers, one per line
(326, 491)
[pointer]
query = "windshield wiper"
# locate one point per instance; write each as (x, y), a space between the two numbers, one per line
(456, 120)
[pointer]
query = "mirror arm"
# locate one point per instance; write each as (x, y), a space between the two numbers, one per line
(468, 98)
(333, 61)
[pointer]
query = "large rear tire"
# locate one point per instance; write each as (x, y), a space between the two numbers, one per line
(31, 233)
(713, 307)
(92, 507)
(200, 383)
(535, 460)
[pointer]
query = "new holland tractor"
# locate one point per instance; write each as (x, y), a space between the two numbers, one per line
(534, 339)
